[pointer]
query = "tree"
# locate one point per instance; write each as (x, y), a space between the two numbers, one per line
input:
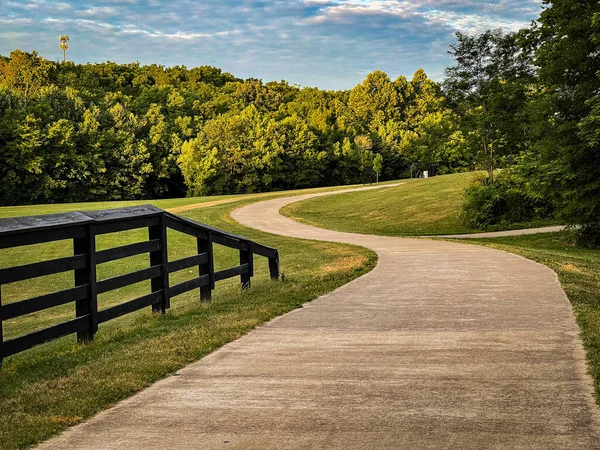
(71, 132)
(364, 144)
(373, 101)
(565, 156)
(488, 88)
(26, 73)
(378, 165)
(438, 140)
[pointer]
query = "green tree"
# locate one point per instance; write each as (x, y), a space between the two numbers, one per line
(378, 165)
(565, 155)
(488, 88)
(72, 132)
(26, 73)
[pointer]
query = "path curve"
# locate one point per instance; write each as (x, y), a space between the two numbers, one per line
(441, 346)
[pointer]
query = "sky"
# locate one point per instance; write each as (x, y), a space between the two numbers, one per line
(332, 44)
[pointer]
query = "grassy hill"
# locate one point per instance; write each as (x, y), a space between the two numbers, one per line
(416, 207)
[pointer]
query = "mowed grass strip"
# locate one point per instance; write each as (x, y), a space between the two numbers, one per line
(579, 273)
(417, 207)
(48, 388)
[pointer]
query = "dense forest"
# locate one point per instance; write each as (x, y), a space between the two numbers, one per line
(107, 131)
(526, 102)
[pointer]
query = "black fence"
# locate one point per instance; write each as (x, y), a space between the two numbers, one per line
(82, 228)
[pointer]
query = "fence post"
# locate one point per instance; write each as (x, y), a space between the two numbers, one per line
(247, 257)
(205, 246)
(160, 257)
(87, 276)
(274, 266)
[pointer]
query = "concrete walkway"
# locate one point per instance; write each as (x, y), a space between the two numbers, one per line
(509, 233)
(442, 346)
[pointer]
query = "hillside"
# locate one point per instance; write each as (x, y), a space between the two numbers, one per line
(415, 207)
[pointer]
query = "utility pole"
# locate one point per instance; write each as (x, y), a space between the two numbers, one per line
(64, 45)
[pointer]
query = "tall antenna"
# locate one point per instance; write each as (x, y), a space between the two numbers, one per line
(64, 45)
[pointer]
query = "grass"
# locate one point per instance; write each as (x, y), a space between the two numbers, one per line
(418, 207)
(579, 273)
(48, 388)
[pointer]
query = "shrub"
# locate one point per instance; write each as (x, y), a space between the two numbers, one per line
(505, 201)
(588, 236)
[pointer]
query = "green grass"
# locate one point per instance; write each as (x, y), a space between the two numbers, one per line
(416, 208)
(48, 388)
(579, 274)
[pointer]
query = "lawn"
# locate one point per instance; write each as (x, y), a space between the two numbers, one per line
(579, 274)
(418, 207)
(48, 388)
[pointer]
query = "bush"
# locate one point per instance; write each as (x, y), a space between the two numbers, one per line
(588, 236)
(505, 201)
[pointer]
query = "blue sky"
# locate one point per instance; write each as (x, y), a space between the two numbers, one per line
(331, 44)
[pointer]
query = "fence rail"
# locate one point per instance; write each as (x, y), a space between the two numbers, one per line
(83, 228)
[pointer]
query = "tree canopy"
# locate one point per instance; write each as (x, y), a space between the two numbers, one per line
(72, 132)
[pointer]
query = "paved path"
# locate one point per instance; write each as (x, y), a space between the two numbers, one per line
(497, 234)
(441, 346)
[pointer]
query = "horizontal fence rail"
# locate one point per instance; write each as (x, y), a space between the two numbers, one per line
(82, 228)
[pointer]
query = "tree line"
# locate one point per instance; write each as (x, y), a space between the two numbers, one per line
(109, 131)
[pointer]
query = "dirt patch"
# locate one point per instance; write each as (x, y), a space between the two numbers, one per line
(571, 268)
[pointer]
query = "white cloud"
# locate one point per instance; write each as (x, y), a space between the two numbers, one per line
(32, 5)
(179, 35)
(434, 12)
(97, 11)
(129, 29)
(473, 23)
(15, 20)
(347, 11)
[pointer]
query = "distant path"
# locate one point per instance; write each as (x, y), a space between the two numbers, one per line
(492, 234)
(441, 346)
(498, 234)
(193, 206)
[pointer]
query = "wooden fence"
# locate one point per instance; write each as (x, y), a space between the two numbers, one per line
(82, 228)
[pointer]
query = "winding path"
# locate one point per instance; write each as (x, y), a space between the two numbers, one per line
(441, 346)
